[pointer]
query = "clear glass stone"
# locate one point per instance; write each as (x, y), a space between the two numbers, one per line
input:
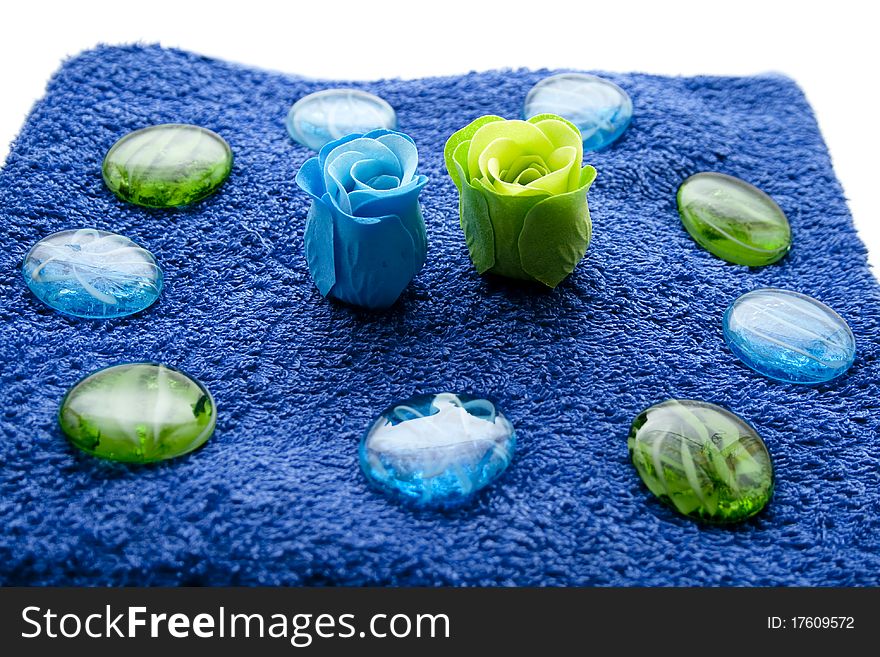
(789, 336)
(92, 273)
(325, 116)
(599, 108)
(437, 450)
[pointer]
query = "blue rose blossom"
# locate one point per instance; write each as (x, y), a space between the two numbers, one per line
(365, 236)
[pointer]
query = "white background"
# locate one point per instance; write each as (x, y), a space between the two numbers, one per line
(830, 48)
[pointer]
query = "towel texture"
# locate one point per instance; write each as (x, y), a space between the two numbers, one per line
(276, 496)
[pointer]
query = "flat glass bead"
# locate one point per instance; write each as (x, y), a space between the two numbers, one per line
(733, 220)
(437, 450)
(701, 459)
(138, 413)
(599, 108)
(167, 165)
(789, 336)
(325, 116)
(92, 274)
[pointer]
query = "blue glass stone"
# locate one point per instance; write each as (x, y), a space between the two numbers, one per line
(325, 116)
(599, 108)
(92, 274)
(789, 336)
(437, 450)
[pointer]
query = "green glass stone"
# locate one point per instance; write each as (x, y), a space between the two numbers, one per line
(138, 413)
(167, 165)
(733, 220)
(702, 459)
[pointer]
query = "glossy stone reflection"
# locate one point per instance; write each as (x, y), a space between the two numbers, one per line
(599, 108)
(733, 220)
(702, 459)
(789, 336)
(93, 274)
(138, 412)
(437, 450)
(167, 165)
(325, 116)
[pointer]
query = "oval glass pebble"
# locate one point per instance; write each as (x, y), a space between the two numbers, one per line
(702, 460)
(437, 450)
(138, 413)
(789, 336)
(92, 273)
(325, 116)
(168, 165)
(599, 108)
(733, 220)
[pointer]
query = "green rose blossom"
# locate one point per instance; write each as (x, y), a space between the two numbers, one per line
(522, 195)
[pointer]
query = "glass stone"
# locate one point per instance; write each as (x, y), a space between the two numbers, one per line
(138, 413)
(92, 274)
(437, 450)
(599, 108)
(167, 165)
(733, 220)
(701, 459)
(789, 336)
(325, 116)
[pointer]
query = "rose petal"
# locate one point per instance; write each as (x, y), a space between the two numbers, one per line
(561, 162)
(458, 138)
(364, 172)
(500, 152)
(459, 160)
(529, 175)
(309, 178)
(524, 162)
(405, 151)
(370, 149)
(379, 132)
(556, 233)
(385, 183)
(374, 203)
(562, 133)
(333, 145)
(337, 177)
(339, 162)
(531, 140)
(376, 257)
(318, 242)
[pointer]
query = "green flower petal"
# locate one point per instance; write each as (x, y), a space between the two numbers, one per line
(477, 227)
(458, 138)
(526, 163)
(564, 134)
(561, 163)
(529, 139)
(507, 214)
(498, 155)
(543, 117)
(556, 233)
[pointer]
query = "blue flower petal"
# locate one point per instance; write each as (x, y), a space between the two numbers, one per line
(385, 183)
(331, 146)
(376, 203)
(406, 152)
(338, 163)
(337, 177)
(375, 258)
(379, 132)
(310, 179)
(366, 173)
(319, 246)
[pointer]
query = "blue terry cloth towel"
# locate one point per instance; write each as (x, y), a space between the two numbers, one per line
(276, 497)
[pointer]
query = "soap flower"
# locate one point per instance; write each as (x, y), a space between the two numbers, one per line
(522, 195)
(364, 235)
